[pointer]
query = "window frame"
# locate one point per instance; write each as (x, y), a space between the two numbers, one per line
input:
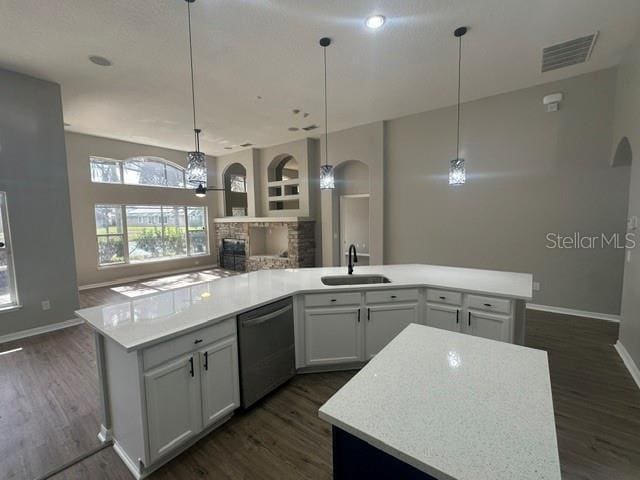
(125, 234)
(7, 248)
(121, 166)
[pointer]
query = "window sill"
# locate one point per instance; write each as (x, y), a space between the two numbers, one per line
(10, 308)
(151, 262)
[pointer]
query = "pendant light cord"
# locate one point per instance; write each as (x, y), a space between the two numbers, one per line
(459, 83)
(326, 125)
(193, 89)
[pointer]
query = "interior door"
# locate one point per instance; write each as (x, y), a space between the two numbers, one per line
(384, 322)
(443, 316)
(173, 404)
(332, 335)
(219, 380)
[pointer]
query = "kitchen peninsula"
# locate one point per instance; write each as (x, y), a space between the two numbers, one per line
(168, 362)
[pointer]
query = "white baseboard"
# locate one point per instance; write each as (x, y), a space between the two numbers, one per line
(628, 362)
(130, 464)
(135, 278)
(578, 313)
(10, 337)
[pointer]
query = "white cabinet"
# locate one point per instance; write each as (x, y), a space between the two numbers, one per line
(332, 335)
(489, 325)
(219, 380)
(443, 316)
(173, 405)
(384, 322)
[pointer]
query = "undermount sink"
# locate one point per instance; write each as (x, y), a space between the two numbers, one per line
(354, 279)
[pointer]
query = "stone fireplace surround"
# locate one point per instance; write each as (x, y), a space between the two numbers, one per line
(301, 248)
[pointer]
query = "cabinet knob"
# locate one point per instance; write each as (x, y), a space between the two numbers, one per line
(334, 299)
(488, 305)
(394, 296)
(199, 340)
(442, 297)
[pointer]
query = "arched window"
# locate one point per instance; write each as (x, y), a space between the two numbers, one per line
(141, 170)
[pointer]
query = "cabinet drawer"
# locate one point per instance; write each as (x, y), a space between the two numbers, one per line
(386, 296)
(328, 299)
(444, 296)
(489, 304)
(189, 342)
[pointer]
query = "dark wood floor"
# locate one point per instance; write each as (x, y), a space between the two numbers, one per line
(49, 412)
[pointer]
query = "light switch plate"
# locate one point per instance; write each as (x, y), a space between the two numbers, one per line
(536, 286)
(46, 305)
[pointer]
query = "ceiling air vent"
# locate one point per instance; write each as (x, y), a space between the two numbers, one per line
(568, 53)
(246, 144)
(309, 128)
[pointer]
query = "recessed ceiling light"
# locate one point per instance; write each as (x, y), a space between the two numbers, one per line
(374, 21)
(102, 61)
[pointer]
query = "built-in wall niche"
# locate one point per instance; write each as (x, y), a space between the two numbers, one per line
(272, 241)
(284, 183)
(235, 195)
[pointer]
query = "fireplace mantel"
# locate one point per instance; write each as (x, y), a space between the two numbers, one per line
(262, 219)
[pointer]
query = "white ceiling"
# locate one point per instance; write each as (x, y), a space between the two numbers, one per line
(269, 48)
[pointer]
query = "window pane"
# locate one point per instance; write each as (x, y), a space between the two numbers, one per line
(198, 242)
(108, 219)
(2, 240)
(196, 218)
(5, 279)
(105, 171)
(175, 231)
(144, 229)
(144, 171)
(110, 250)
(175, 177)
(238, 184)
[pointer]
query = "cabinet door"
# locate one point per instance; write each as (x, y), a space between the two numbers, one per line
(332, 335)
(219, 380)
(384, 322)
(443, 316)
(173, 404)
(488, 325)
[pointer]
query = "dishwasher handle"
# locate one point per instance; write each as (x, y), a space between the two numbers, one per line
(265, 318)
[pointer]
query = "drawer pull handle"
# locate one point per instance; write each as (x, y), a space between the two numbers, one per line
(488, 305)
(441, 297)
(199, 340)
(191, 371)
(394, 296)
(334, 299)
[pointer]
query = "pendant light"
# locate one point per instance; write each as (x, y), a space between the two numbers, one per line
(327, 180)
(196, 174)
(457, 172)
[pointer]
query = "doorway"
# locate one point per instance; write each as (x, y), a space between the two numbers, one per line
(354, 227)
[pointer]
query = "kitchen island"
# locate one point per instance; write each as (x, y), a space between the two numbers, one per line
(434, 404)
(168, 361)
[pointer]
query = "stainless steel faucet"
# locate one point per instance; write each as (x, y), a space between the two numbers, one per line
(352, 247)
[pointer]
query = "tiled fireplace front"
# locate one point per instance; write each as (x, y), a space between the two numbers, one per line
(269, 243)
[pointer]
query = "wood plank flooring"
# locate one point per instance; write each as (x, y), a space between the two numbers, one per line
(49, 411)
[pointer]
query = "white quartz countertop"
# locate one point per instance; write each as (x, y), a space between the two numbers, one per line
(149, 319)
(454, 406)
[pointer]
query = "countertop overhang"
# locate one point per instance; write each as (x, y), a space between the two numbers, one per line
(150, 319)
(454, 406)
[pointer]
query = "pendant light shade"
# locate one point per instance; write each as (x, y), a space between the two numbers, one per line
(327, 178)
(457, 171)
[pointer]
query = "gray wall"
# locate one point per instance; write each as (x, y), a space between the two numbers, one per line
(627, 124)
(528, 173)
(85, 195)
(33, 172)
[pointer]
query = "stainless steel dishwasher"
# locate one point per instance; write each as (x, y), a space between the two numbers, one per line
(267, 351)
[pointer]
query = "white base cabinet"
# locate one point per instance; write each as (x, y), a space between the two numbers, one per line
(489, 325)
(443, 316)
(163, 398)
(332, 335)
(384, 322)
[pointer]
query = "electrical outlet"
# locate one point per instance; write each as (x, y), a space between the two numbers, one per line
(46, 305)
(536, 286)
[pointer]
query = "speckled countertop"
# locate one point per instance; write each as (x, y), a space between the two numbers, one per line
(454, 406)
(148, 319)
